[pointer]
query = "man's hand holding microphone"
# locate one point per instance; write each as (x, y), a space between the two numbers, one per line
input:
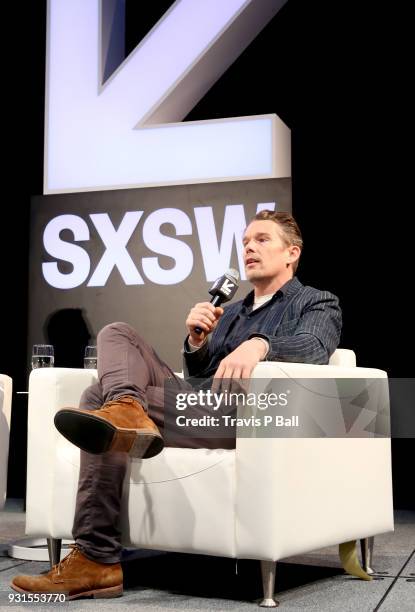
(204, 317)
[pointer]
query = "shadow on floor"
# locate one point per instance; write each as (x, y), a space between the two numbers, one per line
(205, 576)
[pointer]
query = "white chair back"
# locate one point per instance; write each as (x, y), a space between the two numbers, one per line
(5, 417)
(343, 357)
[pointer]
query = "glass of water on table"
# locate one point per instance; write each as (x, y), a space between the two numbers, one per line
(42, 356)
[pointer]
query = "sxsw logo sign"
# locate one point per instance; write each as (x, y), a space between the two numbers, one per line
(114, 122)
(217, 243)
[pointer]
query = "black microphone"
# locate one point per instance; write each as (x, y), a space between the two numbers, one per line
(223, 290)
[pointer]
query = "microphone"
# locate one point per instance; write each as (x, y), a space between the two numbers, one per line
(223, 290)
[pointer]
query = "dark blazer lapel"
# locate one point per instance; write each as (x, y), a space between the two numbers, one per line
(292, 291)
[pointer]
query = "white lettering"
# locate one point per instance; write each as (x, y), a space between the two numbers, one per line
(116, 253)
(165, 245)
(217, 259)
(65, 251)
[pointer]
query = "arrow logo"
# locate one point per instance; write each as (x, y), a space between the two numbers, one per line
(124, 132)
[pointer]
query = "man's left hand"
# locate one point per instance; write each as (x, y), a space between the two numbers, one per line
(241, 362)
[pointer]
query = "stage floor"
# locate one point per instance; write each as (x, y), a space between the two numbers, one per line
(168, 581)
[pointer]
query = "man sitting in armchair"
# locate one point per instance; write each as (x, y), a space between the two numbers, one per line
(123, 414)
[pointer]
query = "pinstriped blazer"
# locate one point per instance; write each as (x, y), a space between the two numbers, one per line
(307, 332)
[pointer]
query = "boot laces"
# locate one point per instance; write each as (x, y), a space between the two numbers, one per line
(67, 560)
(120, 400)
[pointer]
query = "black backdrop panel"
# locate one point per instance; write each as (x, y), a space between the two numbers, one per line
(202, 223)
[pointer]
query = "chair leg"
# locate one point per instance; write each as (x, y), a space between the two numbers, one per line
(268, 584)
(54, 550)
(366, 546)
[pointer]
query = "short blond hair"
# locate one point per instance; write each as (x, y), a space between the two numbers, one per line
(290, 233)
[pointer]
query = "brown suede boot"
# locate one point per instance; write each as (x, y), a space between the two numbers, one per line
(75, 576)
(120, 425)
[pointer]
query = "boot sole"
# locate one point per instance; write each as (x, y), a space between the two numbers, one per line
(95, 435)
(107, 593)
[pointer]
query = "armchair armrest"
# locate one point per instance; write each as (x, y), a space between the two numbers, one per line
(296, 494)
(6, 386)
(50, 389)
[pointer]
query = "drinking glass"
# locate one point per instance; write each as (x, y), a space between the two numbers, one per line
(90, 359)
(42, 356)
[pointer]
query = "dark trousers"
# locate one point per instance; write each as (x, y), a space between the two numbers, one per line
(127, 365)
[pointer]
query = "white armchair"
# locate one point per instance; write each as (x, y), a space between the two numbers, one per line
(268, 499)
(5, 416)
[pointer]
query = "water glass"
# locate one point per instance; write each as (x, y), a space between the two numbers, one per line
(90, 359)
(42, 356)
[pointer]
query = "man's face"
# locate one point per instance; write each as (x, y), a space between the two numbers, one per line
(265, 253)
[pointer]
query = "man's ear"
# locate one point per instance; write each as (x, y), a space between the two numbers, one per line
(295, 253)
